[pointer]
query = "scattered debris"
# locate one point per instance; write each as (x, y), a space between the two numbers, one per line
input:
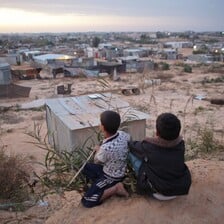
(217, 101)
(200, 97)
(42, 203)
(62, 89)
(150, 82)
(130, 90)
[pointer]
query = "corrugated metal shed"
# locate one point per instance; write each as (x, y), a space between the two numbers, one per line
(71, 121)
(5, 74)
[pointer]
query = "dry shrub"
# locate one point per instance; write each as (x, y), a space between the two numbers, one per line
(11, 118)
(202, 143)
(164, 76)
(14, 177)
(216, 68)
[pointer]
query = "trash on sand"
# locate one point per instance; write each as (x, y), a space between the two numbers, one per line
(42, 203)
(200, 97)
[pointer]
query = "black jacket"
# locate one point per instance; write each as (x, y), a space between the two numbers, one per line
(163, 165)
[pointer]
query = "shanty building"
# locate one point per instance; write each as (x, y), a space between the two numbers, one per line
(7, 88)
(73, 122)
(5, 74)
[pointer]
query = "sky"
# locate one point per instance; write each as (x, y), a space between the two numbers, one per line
(110, 15)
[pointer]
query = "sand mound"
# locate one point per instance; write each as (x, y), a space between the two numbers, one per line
(204, 204)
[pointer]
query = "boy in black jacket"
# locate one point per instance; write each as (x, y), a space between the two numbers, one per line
(159, 161)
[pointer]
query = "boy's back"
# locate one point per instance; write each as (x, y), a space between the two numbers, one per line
(162, 168)
(113, 154)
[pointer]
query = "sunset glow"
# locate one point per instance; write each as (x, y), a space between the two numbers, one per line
(142, 15)
(21, 21)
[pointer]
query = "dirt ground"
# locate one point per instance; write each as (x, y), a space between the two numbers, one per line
(177, 93)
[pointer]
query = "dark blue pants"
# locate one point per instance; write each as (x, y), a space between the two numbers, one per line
(101, 182)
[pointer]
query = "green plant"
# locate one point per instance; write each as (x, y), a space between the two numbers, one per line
(161, 66)
(198, 110)
(164, 66)
(61, 166)
(203, 142)
(187, 68)
(192, 149)
(206, 141)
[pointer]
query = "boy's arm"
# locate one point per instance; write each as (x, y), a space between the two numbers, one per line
(137, 148)
(100, 156)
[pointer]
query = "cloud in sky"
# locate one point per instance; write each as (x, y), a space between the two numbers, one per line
(116, 15)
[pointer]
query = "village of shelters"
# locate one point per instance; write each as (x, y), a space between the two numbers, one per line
(58, 84)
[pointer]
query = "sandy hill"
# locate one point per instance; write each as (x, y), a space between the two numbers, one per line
(205, 202)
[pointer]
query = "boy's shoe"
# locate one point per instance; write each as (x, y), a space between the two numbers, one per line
(163, 197)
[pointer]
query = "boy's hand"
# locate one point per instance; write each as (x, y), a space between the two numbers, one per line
(96, 148)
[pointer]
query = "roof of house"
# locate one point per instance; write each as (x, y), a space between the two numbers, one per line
(45, 57)
(83, 111)
(4, 65)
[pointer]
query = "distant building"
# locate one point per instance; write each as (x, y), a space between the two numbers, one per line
(25, 71)
(91, 52)
(5, 74)
(7, 88)
(136, 64)
(169, 54)
(178, 44)
(47, 58)
(10, 58)
(132, 52)
(83, 62)
(104, 45)
(201, 58)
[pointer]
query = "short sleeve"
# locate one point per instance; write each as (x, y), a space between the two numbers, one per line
(100, 156)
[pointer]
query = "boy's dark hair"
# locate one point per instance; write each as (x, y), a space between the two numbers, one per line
(110, 120)
(168, 126)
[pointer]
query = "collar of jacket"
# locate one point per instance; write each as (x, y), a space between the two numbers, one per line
(164, 143)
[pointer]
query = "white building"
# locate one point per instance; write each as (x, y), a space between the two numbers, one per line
(178, 44)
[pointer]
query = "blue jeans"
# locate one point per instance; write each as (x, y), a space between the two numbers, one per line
(135, 162)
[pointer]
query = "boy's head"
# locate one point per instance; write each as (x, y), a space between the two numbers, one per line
(168, 126)
(110, 120)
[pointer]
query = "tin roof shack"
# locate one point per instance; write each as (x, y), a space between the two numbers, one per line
(5, 74)
(74, 120)
(87, 63)
(178, 44)
(10, 58)
(168, 54)
(53, 62)
(25, 72)
(7, 88)
(111, 68)
(201, 58)
(79, 67)
(80, 72)
(135, 64)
